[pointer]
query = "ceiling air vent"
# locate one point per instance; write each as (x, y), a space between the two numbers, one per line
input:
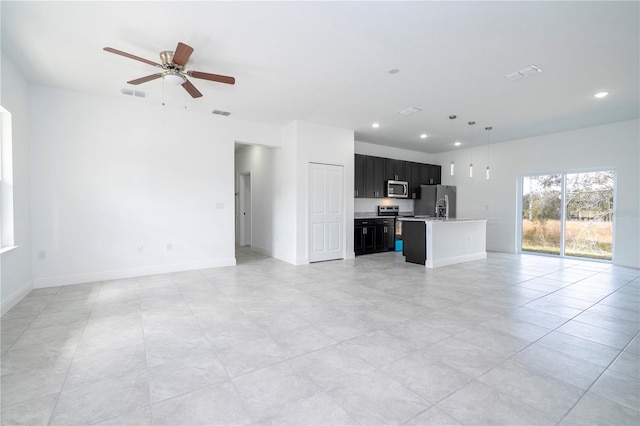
(135, 93)
(409, 111)
(525, 72)
(514, 76)
(218, 112)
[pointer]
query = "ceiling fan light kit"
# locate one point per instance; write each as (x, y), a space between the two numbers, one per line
(173, 63)
(174, 78)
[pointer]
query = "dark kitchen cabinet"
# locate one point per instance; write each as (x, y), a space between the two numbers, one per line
(400, 169)
(414, 238)
(360, 176)
(364, 238)
(425, 174)
(373, 235)
(415, 177)
(371, 174)
(389, 170)
(395, 169)
(374, 177)
(435, 174)
(385, 234)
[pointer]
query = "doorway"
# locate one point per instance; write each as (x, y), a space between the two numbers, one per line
(244, 208)
(326, 212)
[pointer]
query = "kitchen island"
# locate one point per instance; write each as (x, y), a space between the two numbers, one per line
(435, 242)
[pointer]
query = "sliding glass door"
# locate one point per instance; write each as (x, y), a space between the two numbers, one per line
(541, 213)
(568, 214)
(589, 212)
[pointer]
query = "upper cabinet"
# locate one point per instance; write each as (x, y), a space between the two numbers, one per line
(435, 174)
(372, 172)
(361, 176)
(375, 177)
(416, 177)
(395, 169)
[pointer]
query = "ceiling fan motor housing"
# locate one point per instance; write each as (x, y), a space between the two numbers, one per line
(166, 57)
(173, 72)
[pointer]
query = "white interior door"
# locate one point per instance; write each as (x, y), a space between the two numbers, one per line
(326, 212)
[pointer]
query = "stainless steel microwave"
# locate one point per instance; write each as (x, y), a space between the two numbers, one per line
(396, 189)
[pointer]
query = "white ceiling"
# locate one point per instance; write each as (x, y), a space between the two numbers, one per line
(328, 62)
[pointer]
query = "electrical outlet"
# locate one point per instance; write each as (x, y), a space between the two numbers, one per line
(140, 249)
(470, 238)
(42, 255)
(169, 246)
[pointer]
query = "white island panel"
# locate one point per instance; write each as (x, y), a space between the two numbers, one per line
(455, 241)
(448, 241)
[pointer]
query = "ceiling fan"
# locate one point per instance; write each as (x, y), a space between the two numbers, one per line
(173, 71)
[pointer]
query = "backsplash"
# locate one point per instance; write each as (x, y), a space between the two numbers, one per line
(368, 207)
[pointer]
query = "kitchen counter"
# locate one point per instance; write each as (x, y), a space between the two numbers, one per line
(439, 219)
(435, 242)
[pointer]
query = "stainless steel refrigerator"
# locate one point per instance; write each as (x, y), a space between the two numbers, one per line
(433, 199)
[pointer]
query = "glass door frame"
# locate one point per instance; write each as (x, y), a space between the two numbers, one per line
(563, 212)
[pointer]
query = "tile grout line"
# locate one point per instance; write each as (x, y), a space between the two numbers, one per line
(66, 376)
(598, 378)
(511, 357)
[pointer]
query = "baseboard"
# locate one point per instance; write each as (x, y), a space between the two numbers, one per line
(131, 273)
(16, 297)
(459, 259)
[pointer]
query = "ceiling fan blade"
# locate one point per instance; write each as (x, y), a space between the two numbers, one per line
(129, 55)
(145, 79)
(191, 89)
(182, 54)
(212, 77)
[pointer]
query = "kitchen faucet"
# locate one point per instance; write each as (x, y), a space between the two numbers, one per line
(446, 207)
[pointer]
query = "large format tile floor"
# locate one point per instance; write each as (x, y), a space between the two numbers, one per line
(510, 340)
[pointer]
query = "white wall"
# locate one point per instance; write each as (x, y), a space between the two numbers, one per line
(327, 145)
(279, 179)
(15, 269)
(111, 175)
(285, 191)
(366, 148)
(302, 143)
(615, 146)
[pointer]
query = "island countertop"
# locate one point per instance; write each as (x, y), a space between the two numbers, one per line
(439, 219)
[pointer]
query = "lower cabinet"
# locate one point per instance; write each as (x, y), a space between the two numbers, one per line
(364, 239)
(373, 235)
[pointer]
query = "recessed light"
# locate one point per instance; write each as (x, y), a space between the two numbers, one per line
(423, 136)
(394, 71)
(375, 125)
(601, 95)
(457, 143)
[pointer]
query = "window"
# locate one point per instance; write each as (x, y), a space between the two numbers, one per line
(568, 214)
(6, 182)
